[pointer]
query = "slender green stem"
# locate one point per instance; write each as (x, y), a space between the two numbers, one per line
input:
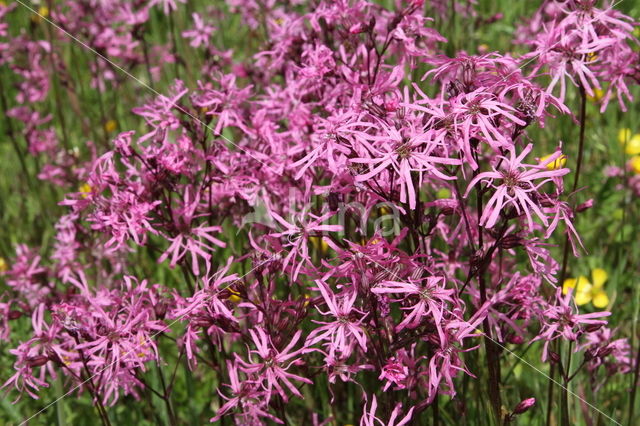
(634, 385)
(493, 362)
(564, 401)
(565, 255)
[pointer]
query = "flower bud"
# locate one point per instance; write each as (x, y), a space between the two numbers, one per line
(37, 361)
(591, 328)
(14, 314)
(585, 206)
(510, 241)
(606, 351)
(524, 406)
(554, 357)
(334, 201)
(515, 339)
(160, 309)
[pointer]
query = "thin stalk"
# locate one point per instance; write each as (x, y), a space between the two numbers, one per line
(565, 254)
(564, 401)
(56, 85)
(174, 46)
(166, 397)
(12, 135)
(493, 362)
(147, 61)
(634, 385)
(550, 387)
(103, 116)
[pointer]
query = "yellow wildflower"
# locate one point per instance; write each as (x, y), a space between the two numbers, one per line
(597, 95)
(633, 145)
(624, 135)
(635, 164)
(557, 164)
(585, 291)
(85, 189)
(3, 265)
(110, 126)
(43, 12)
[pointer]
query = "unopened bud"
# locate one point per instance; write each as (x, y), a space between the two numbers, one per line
(447, 211)
(604, 352)
(37, 361)
(515, 339)
(585, 206)
(14, 314)
(160, 309)
(510, 241)
(554, 357)
(201, 322)
(524, 406)
(591, 328)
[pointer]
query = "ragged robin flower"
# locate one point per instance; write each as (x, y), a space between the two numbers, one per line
(586, 291)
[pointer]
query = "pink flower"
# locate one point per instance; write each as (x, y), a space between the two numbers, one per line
(394, 372)
(346, 327)
(431, 295)
(297, 236)
(200, 34)
(515, 185)
(369, 416)
(272, 367)
(561, 321)
(404, 156)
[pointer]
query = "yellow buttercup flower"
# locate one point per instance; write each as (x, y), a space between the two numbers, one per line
(633, 145)
(635, 164)
(588, 292)
(624, 135)
(3, 265)
(597, 95)
(557, 164)
(43, 12)
(110, 126)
